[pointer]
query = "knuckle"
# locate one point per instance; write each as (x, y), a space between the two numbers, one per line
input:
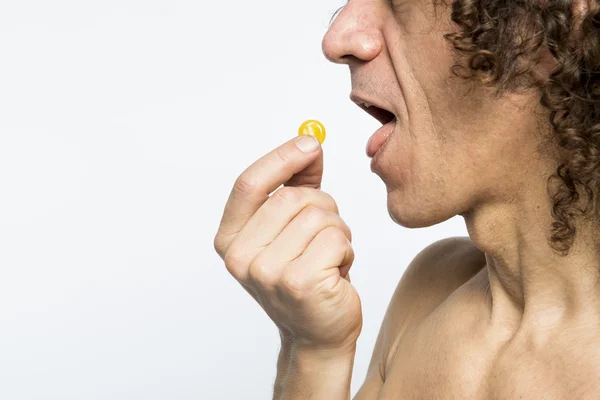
(218, 245)
(331, 203)
(320, 219)
(260, 274)
(245, 185)
(234, 262)
(284, 154)
(350, 251)
(313, 213)
(334, 236)
(347, 231)
(288, 194)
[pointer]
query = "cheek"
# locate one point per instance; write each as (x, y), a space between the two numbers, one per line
(429, 81)
(427, 47)
(458, 110)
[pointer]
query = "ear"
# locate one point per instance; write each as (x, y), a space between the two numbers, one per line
(545, 64)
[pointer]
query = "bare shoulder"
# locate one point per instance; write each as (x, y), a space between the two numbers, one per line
(437, 271)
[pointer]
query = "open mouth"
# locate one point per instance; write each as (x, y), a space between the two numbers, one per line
(388, 124)
(381, 115)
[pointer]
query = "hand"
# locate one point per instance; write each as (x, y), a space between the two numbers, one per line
(291, 250)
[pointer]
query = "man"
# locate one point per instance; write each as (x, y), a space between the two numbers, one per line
(490, 111)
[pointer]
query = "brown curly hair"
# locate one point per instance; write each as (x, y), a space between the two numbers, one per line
(503, 42)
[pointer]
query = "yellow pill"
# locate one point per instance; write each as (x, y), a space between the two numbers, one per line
(313, 128)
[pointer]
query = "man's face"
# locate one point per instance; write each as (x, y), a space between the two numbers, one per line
(453, 143)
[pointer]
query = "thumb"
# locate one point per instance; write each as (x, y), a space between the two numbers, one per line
(312, 175)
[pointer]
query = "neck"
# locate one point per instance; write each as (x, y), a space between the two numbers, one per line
(531, 286)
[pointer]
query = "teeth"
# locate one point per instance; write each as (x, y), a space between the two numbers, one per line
(367, 105)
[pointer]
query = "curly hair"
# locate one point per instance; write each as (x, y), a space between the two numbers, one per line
(503, 42)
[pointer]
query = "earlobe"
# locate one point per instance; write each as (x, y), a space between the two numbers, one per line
(545, 64)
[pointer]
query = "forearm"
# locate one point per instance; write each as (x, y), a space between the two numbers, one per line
(309, 374)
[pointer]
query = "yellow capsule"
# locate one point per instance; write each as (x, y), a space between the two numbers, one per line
(313, 128)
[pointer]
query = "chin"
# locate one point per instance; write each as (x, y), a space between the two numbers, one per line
(414, 214)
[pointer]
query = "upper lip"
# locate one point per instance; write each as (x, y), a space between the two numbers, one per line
(360, 99)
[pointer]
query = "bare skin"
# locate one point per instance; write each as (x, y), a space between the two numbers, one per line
(517, 320)
(496, 315)
(447, 344)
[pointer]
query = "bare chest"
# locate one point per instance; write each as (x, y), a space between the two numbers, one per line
(434, 361)
(450, 355)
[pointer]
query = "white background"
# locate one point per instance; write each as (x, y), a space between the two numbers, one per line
(123, 124)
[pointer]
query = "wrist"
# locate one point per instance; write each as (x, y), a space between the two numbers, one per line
(331, 362)
(300, 348)
(325, 354)
(317, 373)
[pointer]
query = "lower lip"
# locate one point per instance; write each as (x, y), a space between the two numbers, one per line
(379, 138)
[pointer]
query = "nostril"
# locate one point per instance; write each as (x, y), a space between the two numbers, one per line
(332, 48)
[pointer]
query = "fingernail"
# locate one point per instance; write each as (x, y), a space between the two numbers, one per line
(307, 143)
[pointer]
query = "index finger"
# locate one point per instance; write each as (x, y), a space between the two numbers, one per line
(253, 186)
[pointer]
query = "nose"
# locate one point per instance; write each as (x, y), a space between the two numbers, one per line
(354, 34)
